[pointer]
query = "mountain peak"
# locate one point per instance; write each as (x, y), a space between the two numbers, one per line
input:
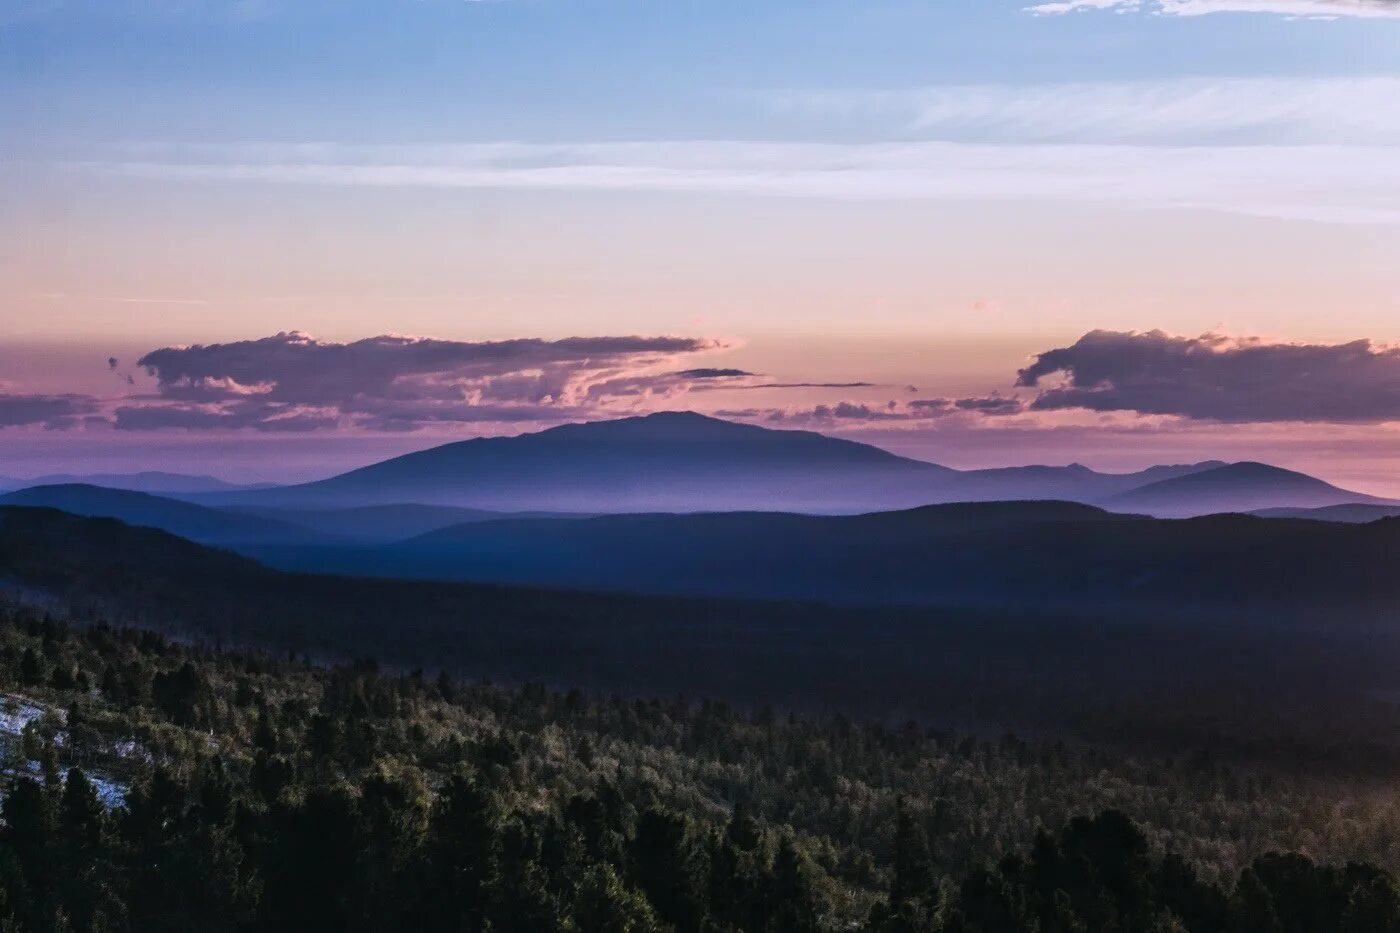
(1250, 471)
(660, 423)
(664, 461)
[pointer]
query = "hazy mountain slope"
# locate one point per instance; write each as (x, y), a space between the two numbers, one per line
(671, 461)
(1237, 487)
(382, 523)
(1027, 554)
(151, 481)
(196, 522)
(1352, 514)
(1075, 482)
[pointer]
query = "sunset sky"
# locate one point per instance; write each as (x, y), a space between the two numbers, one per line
(273, 239)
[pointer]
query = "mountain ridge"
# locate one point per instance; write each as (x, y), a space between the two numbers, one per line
(683, 461)
(1021, 556)
(156, 482)
(176, 516)
(1246, 486)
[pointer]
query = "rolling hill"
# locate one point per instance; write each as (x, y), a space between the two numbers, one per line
(150, 481)
(187, 520)
(1236, 487)
(382, 524)
(1024, 555)
(1356, 514)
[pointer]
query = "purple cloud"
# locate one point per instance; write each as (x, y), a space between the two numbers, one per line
(293, 381)
(1215, 377)
(925, 410)
(991, 405)
(259, 417)
(54, 412)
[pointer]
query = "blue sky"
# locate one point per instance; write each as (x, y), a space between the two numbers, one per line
(399, 70)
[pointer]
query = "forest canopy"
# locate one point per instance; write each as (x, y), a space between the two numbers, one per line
(152, 785)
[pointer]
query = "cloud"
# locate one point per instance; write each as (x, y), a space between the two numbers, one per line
(668, 385)
(54, 412)
(992, 405)
(858, 412)
(1192, 111)
(966, 410)
(294, 382)
(1220, 378)
(713, 373)
(814, 385)
(258, 417)
(1303, 9)
(1330, 183)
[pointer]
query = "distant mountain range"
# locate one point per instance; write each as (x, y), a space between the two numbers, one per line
(1026, 556)
(685, 462)
(1030, 553)
(983, 666)
(1236, 487)
(243, 527)
(673, 462)
(152, 481)
(1023, 554)
(185, 519)
(384, 524)
(1352, 514)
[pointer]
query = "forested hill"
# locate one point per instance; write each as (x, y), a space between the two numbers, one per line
(1307, 693)
(1022, 555)
(157, 787)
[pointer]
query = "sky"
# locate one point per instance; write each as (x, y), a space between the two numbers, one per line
(274, 239)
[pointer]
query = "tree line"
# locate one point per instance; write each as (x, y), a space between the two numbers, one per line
(263, 792)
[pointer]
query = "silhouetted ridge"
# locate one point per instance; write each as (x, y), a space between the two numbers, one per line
(156, 482)
(1018, 555)
(672, 461)
(1356, 514)
(1240, 487)
(196, 522)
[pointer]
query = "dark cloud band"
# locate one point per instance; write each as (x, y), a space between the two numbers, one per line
(56, 412)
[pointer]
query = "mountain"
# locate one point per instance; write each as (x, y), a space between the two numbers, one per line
(1026, 556)
(152, 481)
(1236, 487)
(1075, 482)
(381, 524)
(671, 461)
(1358, 514)
(195, 522)
(684, 462)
